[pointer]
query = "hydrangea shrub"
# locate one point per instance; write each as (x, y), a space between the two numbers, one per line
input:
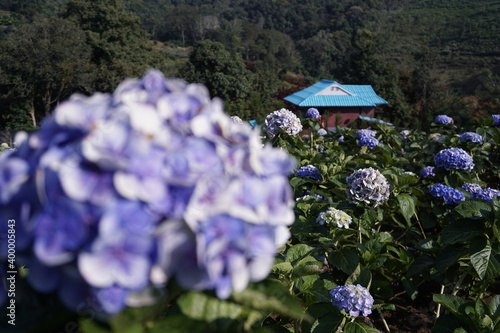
(367, 186)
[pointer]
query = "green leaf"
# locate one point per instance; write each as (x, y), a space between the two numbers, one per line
(346, 259)
(327, 318)
(481, 258)
(474, 209)
(446, 323)
(410, 288)
(297, 252)
(456, 306)
(355, 327)
(271, 296)
(207, 308)
(494, 306)
(460, 231)
(178, 324)
(448, 256)
(282, 268)
(420, 264)
(406, 206)
(308, 269)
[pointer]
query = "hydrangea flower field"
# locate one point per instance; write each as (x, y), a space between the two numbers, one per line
(150, 210)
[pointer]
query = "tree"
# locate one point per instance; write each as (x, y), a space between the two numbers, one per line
(40, 64)
(120, 47)
(223, 73)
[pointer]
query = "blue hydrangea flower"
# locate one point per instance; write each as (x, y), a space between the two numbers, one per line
(485, 194)
(496, 118)
(309, 171)
(308, 195)
(367, 186)
(312, 113)
(427, 171)
(353, 299)
(322, 131)
(450, 195)
(454, 158)
(341, 139)
(471, 137)
(368, 141)
(119, 193)
(285, 120)
(365, 133)
(471, 188)
(334, 216)
(443, 119)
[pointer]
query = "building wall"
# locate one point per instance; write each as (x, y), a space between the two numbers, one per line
(346, 115)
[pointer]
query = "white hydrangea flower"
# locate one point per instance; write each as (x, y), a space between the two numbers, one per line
(333, 215)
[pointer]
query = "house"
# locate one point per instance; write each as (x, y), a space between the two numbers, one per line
(338, 104)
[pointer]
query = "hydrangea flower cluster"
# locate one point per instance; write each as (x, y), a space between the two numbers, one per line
(443, 119)
(308, 195)
(367, 186)
(312, 113)
(405, 133)
(368, 141)
(285, 120)
(120, 193)
(334, 216)
(454, 158)
(471, 187)
(485, 194)
(365, 133)
(496, 118)
(427, 171)
(309, 171)
(353, 299)
(322, 131)
(450, 195)
(341, 139)
(470, 137)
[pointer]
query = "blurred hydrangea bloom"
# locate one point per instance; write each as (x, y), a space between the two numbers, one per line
(471, 187)
(237, 120)
(454, 158)
(284, 119)
(471, 137)
(368, 141)
(485, 194)
(450, 195)
(367, 186)
(365, 133)
(309, 171)
(118, 193)
(312, 113)
(322, 131)
(334, 216)
(443, 119)
(341, 139)
(353, 299)
(405, 133)
(427, 171)
(496, 118)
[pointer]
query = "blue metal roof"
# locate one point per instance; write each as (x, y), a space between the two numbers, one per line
(375, 120)
(360, 95)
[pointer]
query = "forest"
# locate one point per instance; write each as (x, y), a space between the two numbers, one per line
(424, 57)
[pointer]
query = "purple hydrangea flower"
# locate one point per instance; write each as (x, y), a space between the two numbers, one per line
(427, 171)
(322, 131)
(353, 299)
(367, 186)
(485, 194)
(119, 193)
(309, 171)
(368, 141)
(285, 120)
(341, 139)
(454, 158)
(450, 195)
(496, 118)
(471, 188)
(362, 133)
(312, 113)
(471, 137)
(443, 119)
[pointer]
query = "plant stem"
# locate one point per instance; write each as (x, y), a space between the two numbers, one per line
(438, 310)
(383, 321)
